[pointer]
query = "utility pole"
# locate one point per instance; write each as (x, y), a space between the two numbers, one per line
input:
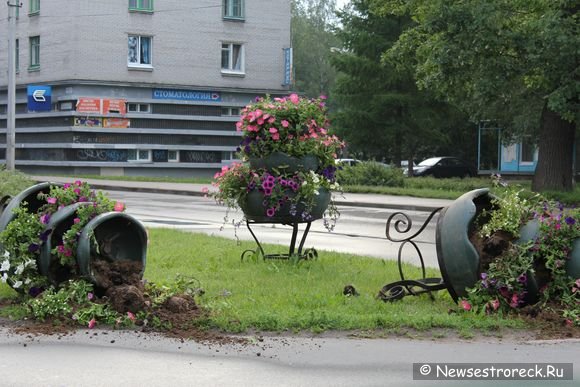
(11, 96)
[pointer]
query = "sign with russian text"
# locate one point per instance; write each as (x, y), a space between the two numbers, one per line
(116, 123)
(89, 105)
(287, 66)
(88, 122)
(187, 95)
(115, 106)
(39, 98)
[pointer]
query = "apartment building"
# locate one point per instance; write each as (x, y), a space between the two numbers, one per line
(139, 87)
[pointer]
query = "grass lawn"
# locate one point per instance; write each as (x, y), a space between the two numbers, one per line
(305, 296)
(286, 296)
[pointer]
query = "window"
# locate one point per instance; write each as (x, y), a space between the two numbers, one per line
(173, 156)
(234, 9)
(34, 7)
(139, 51)
(527, 152)
(230, 111)
(141, 5)
(17, 54)
(142, 155)
(138, 107)
(34, 42)
(232, 58)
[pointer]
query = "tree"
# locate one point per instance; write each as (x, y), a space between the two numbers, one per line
(312, 41)
(380, 111)
(513, 61)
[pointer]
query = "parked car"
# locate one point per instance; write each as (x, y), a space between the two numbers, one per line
(347, 162)
(405, 166)
(444, 167)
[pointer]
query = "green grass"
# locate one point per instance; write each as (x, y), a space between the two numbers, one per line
(281, 295)
(288, 296)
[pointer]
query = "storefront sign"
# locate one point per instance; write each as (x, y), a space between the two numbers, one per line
(89, 105)
(187, 95)
(88, 122)
(117, 123)
(39, 98)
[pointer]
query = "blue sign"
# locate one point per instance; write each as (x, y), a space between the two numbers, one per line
(287, 66)
(39, 98)
(187, 95)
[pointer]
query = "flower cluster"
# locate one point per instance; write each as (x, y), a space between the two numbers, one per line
(530, 271)
(289, 160)
(24, 236)
(93, 204)
(292, 125)
(295, 192)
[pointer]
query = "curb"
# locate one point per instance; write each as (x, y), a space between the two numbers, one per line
(350, 203)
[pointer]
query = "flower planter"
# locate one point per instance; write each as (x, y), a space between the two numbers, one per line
(60, 222)
(459, 260)
(112, 236)
(254, 210)
(118, 236)
(284, 163)
(28, 196)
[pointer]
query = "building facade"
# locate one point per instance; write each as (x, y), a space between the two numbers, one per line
(139, 87)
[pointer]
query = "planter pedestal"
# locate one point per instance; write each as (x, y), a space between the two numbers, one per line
(292, 252)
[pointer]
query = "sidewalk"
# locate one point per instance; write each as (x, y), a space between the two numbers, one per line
(406, 203)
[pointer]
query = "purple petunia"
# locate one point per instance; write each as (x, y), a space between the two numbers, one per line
(570, 221)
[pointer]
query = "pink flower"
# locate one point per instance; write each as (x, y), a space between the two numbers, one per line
(131, 316)
(78, 182)
(294, 98)
(77, 191)
(569, 322)
(76, 220)
(276, 136)
(119, 207)
(90, 296)
(465, 305)
(51, 200)
(495, 304)
(285, 123)
(92, 323)
(273, 130)
(66, 185)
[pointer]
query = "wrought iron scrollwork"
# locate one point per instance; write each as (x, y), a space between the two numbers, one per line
(402, 224)
(310, 253)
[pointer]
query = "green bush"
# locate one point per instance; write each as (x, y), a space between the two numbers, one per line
(13, 182)
(450, 184)
(370, 173)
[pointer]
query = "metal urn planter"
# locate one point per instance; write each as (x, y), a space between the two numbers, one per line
(285, 163)
(112, 236)
(459, 262)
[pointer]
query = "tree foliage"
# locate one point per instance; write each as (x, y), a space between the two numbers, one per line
(312, 41)
(513, 61)
(380, 111)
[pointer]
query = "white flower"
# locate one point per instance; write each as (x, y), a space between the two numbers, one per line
(27, 281)
(316, 192)
(6, 254)
(29, 262)
(17, 284)
(4, 278)
(5, 265)
(19, 269)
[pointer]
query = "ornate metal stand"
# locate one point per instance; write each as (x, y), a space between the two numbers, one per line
(405, 287)
(292, 253)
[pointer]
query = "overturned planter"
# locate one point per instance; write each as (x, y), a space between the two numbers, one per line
(459, 261)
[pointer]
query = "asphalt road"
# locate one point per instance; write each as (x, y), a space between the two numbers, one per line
(127, 358)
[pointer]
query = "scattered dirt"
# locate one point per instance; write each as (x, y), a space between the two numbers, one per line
(119, 283)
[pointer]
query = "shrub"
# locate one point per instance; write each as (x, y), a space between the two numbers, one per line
(370, 173)
(13, 182)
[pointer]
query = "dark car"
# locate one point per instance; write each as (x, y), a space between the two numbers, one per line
(444, 167)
